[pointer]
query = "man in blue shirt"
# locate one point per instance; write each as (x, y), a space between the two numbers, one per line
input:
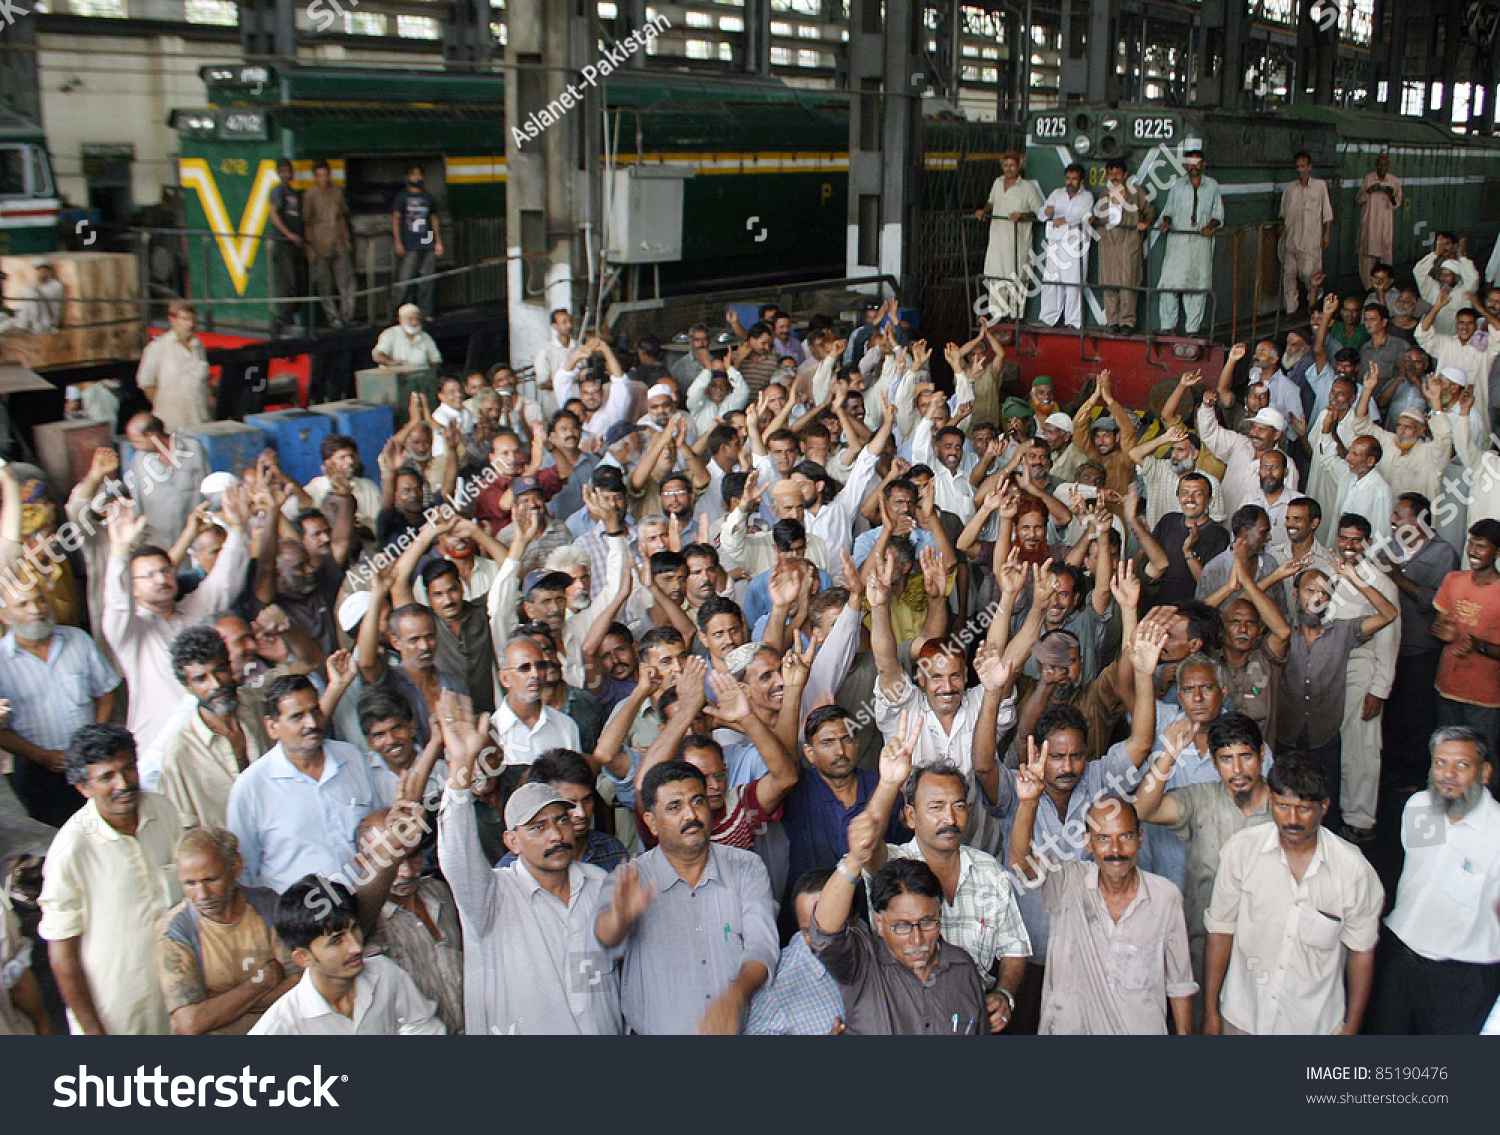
(296, 809)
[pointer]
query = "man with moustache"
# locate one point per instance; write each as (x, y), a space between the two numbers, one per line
(305, 588)
(220, 739)
(1310, 699)
(1281, 392)
(576, 781)
(531, 965)
(1441, 972)
(1163, 475)
(1119, 945)
(677, 979)
(1361, 489)
(98, 915)
(1205, 813)
(1202, 691)
(1250, 530)
(1241, 455)
(1188, 537)
(221, 965)
(56, 680)
(397, 768)
(1256, 639)
(1410, 461)
(1293, 920)
(903, 978)
(141, 613)
(294, 811)
(979, 912)
(1272, 495)
(465, 647)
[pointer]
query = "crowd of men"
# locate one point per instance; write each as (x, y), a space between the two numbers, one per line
(799, 683)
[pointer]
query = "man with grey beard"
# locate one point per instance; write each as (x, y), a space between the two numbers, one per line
(57, 681)
(1440, 972)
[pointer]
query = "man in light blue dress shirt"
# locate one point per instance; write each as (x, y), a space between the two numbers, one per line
(296, 809)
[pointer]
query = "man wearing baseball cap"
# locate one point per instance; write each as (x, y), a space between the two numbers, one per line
(531, 963)
(1240, 454)
(1056, 429)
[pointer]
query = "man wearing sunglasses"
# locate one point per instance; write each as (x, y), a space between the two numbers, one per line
(525, 725)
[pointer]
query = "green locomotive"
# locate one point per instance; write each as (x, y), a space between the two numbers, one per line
(1450, 181)
(758, 148)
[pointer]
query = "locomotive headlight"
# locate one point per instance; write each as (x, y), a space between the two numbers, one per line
(1110, 123)
(1082, 144)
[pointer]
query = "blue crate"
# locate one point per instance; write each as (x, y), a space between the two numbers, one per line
(296, 435)
(368, 424)
(229, 446)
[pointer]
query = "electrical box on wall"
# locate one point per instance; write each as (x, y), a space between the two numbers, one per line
(645, 214)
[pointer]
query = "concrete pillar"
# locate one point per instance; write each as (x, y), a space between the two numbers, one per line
(884, 134)
(550, 203)
(268, 28)
(758, 37)
(19, 85)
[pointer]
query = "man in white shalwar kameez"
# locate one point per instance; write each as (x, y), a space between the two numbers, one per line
(1012, 204)
(1066, 216)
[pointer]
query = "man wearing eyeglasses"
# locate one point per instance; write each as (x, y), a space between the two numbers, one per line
(901, 979)
(524, 724)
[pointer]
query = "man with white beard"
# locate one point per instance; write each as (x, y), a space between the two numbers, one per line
(1367, 681)
(1442, 969)
(1409, 462)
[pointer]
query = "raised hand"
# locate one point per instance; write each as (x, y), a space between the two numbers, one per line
(1044, 584)
(785, 584)
(994, 671)
(104, 463)
(848, 572)
(934, 578)
(895, 757)
(1124, 585)
(1238, 352)
(341, 669)
(1146, 646)
(1013, 574)
(1031, 776)
(796, 665)
(877, 593)
(690, 684)
(125, 528)
(631, 897)
(733, 706)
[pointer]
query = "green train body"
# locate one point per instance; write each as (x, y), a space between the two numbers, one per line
(29, 203)
(1449, 182)
(760, 150)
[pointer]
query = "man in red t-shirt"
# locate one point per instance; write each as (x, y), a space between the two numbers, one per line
(508, 460)
(1468, 606)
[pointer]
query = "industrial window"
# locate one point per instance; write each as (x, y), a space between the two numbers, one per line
(364, 23)
(699, 49)
(809, 31)
(607, 11)
(418, 27)
(224, 13)
(781, 27)
(805, 7)
(731, 23)
(699, 20)
(807, 58)
(114, 9)
(781, 56)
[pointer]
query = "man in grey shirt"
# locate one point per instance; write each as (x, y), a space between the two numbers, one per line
(163, 476)
(692, 920)
(531, 964)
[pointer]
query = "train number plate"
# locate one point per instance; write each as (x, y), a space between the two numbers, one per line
(1051, 126)
(1154, 129)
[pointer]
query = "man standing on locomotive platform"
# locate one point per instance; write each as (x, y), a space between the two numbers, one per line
(1308, 216)
(1066, 269)
(1193, 213)
(1121, 218)
(1012, 204)
(1379, 197)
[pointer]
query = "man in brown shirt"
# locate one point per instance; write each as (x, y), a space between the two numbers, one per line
(1108, 439)
(901, 978)
(325, 220)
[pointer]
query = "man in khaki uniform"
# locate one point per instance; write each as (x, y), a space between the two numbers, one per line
(1122, 214)
(1012, 205)
(325, 217)
(1308, 215)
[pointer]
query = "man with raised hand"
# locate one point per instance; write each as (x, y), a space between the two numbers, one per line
(531, 964)
(1118, 945)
